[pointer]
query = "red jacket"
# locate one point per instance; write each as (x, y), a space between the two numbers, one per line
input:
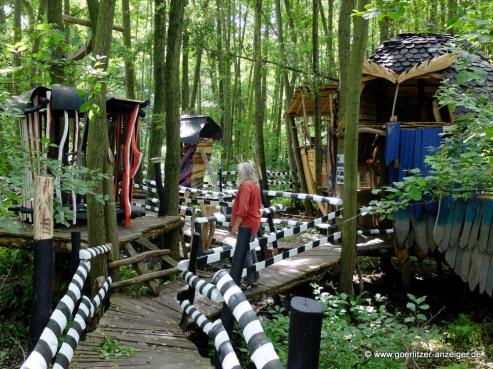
(247, 206)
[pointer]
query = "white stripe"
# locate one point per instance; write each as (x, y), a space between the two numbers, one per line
(230, 361)
(59, 318)
(221, 337)
(207, 328)
(263, 355)
(201, 320)
(213, 258)
(183, 265)
(240, 309)
(222, 281)
(35, 361)
(51, 340)
(69, 302)
(252, 329)
(233, 290)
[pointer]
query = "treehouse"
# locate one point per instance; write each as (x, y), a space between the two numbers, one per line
(197, 135)
(300, 113)
(52, 127)
(400, 122)
(400, 82)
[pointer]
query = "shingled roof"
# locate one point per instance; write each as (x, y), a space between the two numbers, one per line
(401, 53)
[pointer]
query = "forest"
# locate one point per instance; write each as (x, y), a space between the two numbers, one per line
(368, 124)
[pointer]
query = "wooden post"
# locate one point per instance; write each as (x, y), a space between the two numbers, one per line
(75, 236)
(44, 259)
(159, 184)
(305, 325)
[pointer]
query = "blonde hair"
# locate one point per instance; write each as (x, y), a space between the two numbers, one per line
(246, 172)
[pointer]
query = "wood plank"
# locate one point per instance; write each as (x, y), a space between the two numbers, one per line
(141, 269)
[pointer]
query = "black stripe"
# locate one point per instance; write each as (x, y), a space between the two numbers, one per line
(300, 249)
(44, 350)
(256, 341)
(64, 309)
(53, 325)
(62, 361)
(72, 296)
(229, 284)
(71, 341)
(248, 317)
(273, 364)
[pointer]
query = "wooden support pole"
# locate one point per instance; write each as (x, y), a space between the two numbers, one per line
(145, 278)
(85, 22)
(305, 325)
(142, 269)
(137, 258)
(75, 237)
(44, 257)
(189, 293)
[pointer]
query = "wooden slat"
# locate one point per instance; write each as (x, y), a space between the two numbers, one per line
(141, 269)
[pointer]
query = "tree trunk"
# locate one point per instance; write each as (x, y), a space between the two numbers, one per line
(101, 218)
(383, 25)
(357, 55)
(156, 134)
(344, 41)
(55, 17)
(185, 88)
(316, 101)
(257, 81)
(172, 101)
(17, 38)
(196, 78)
(129, 56)
(2, 15)
(287, 94)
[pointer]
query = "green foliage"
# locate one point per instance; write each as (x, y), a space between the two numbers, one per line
(110, 348)
(136, 290)
(353, 326)
(464, 331)
(418, 308)
(15, 282)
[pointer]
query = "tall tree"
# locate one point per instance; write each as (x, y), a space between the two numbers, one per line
(316, 101)
(129, 57)
(287, 93)
(17, 38)
(343, 45)
(185, 86)
(156, 136)
(172, 104)
(259, 102)
(101, 217)
(352, 101)
(54, 17)
(383, 24)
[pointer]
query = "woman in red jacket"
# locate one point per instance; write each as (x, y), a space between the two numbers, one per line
(246, 212)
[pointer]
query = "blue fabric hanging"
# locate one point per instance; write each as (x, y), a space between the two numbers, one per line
(412, 145)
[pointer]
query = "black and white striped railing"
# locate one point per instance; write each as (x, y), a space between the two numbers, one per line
(287, 254)
(286, 232)
(87, 254)
(216, 333)
(151, 208)
(191, 201)
(84, 313)
(218, 217)
(145, 188)
(300, 196)
(217, 249)
(204, 288)
(260, 348)
(269, 173)
(261, 241)
(47, 345)
(198, 191)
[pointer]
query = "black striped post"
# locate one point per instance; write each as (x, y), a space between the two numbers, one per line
(241, 249)
(305, 326)
(272, 228)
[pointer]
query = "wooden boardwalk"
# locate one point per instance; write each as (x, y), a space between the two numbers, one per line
(151, 325)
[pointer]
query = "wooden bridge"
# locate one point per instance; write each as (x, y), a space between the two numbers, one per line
(151, 325)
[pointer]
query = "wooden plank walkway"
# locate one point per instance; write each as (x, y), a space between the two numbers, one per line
(152, 324)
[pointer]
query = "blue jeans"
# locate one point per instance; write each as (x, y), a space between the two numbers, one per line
(251, 259)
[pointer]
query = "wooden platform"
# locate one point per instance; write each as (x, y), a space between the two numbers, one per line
(148, 226)
(152, 324)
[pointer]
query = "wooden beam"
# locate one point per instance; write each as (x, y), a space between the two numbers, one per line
(141, 269)
(85, 22)
(145, 278)
(136, 258)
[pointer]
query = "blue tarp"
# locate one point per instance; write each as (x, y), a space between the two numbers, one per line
(412, 146)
